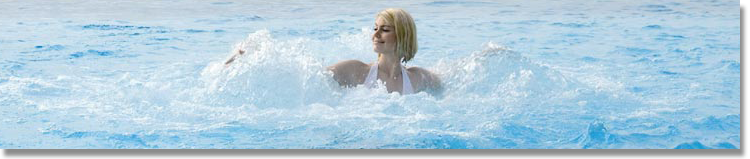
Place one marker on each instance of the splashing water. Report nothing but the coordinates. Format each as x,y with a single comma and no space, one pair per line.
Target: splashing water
278,94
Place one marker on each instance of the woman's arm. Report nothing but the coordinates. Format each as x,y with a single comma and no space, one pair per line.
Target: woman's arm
349,73
239,53
429,81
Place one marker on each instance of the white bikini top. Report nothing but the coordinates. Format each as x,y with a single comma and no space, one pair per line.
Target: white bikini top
372,79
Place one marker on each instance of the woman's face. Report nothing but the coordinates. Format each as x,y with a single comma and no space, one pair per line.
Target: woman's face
384,37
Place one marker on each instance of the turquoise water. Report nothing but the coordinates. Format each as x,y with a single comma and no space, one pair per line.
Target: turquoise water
518,74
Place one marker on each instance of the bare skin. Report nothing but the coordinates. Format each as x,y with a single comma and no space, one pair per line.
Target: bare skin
239,53
350,73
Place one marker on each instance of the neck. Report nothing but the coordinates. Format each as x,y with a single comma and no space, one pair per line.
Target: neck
390,65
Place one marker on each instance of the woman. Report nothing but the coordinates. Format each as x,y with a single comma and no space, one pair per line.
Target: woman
395,41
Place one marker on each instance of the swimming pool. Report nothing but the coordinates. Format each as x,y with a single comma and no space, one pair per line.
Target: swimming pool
518,74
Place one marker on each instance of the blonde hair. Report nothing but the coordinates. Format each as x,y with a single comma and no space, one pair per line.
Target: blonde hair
406,32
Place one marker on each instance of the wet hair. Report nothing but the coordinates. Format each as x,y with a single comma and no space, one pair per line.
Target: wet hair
406,32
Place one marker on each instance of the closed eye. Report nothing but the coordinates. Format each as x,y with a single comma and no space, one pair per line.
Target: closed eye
376,29
384,30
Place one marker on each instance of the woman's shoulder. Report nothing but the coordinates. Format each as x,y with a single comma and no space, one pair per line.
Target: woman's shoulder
424,79
349,72
415,69
350,63
348,66
420,72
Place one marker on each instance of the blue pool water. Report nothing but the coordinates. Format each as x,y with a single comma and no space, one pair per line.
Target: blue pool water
543,74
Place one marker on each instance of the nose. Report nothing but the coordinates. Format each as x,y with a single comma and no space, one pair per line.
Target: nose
376,33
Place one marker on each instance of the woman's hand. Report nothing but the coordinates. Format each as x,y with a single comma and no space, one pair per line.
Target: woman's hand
239,53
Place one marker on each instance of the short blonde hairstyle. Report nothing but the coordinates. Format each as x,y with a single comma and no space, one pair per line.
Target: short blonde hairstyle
406,32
